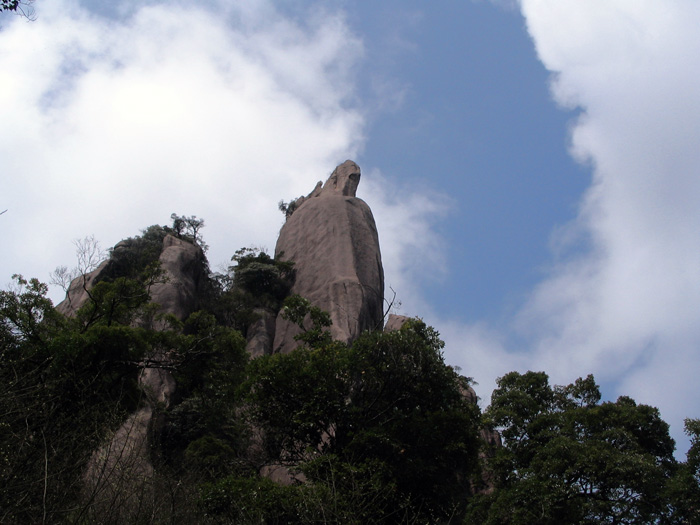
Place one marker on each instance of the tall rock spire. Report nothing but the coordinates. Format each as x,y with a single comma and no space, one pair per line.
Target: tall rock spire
332,239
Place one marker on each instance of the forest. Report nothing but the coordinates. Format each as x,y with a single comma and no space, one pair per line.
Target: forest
382,430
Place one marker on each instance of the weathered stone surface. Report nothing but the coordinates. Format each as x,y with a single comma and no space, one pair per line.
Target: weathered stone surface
344,180
120,473
395,322
77,294
332,239
183,263
261,333
125,460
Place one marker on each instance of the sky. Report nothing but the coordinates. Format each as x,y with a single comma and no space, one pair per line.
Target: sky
532,165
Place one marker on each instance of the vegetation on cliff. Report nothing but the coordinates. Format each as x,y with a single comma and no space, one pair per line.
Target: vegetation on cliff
378,431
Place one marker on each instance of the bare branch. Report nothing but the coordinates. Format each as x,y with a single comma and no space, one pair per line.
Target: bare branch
19,7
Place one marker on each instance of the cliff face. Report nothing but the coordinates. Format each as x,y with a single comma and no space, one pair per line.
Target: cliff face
126,458
332,239
183,264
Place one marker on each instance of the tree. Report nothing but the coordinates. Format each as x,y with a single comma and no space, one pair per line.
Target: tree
22,7
381,425
287,208
188,228
89,255
61,390
683,489
266,279
567,458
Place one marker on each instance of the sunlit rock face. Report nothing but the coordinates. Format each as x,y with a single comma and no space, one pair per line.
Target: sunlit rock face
332,239
184,267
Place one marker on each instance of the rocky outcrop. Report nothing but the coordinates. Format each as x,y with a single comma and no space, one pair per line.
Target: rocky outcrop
395,322
125,459
77,294
332,239
184,267
261,333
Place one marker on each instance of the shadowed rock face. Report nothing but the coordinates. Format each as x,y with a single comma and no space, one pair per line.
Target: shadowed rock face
125,460
333,241
183,266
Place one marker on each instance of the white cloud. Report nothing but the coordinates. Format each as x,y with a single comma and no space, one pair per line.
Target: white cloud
215,109
626,309
412,251
622,297
109,126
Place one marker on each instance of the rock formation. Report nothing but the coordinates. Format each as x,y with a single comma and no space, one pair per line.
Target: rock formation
331,237
261,333
125,460
183,263
77,294
395,322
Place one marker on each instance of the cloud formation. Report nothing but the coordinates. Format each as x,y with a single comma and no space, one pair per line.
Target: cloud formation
623,295
216,109
115,124
221,109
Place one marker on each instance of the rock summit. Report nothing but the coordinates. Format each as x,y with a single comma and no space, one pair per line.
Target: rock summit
331,237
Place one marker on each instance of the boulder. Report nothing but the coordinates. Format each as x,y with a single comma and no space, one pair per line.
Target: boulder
395,322
332,239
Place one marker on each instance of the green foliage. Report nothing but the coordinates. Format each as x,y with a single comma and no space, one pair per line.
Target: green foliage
340,493
301,312
61,389
259,500
132,256
378,432
21,7
389,402
9,5
287,208
121,300
683,489
202,432
568,459
258,274
692,429
188,228
256,281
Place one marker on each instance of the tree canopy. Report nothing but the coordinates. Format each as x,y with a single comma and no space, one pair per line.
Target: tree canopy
568,458
379,431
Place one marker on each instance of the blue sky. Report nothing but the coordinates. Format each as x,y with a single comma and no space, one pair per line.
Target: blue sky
479,125
532,165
